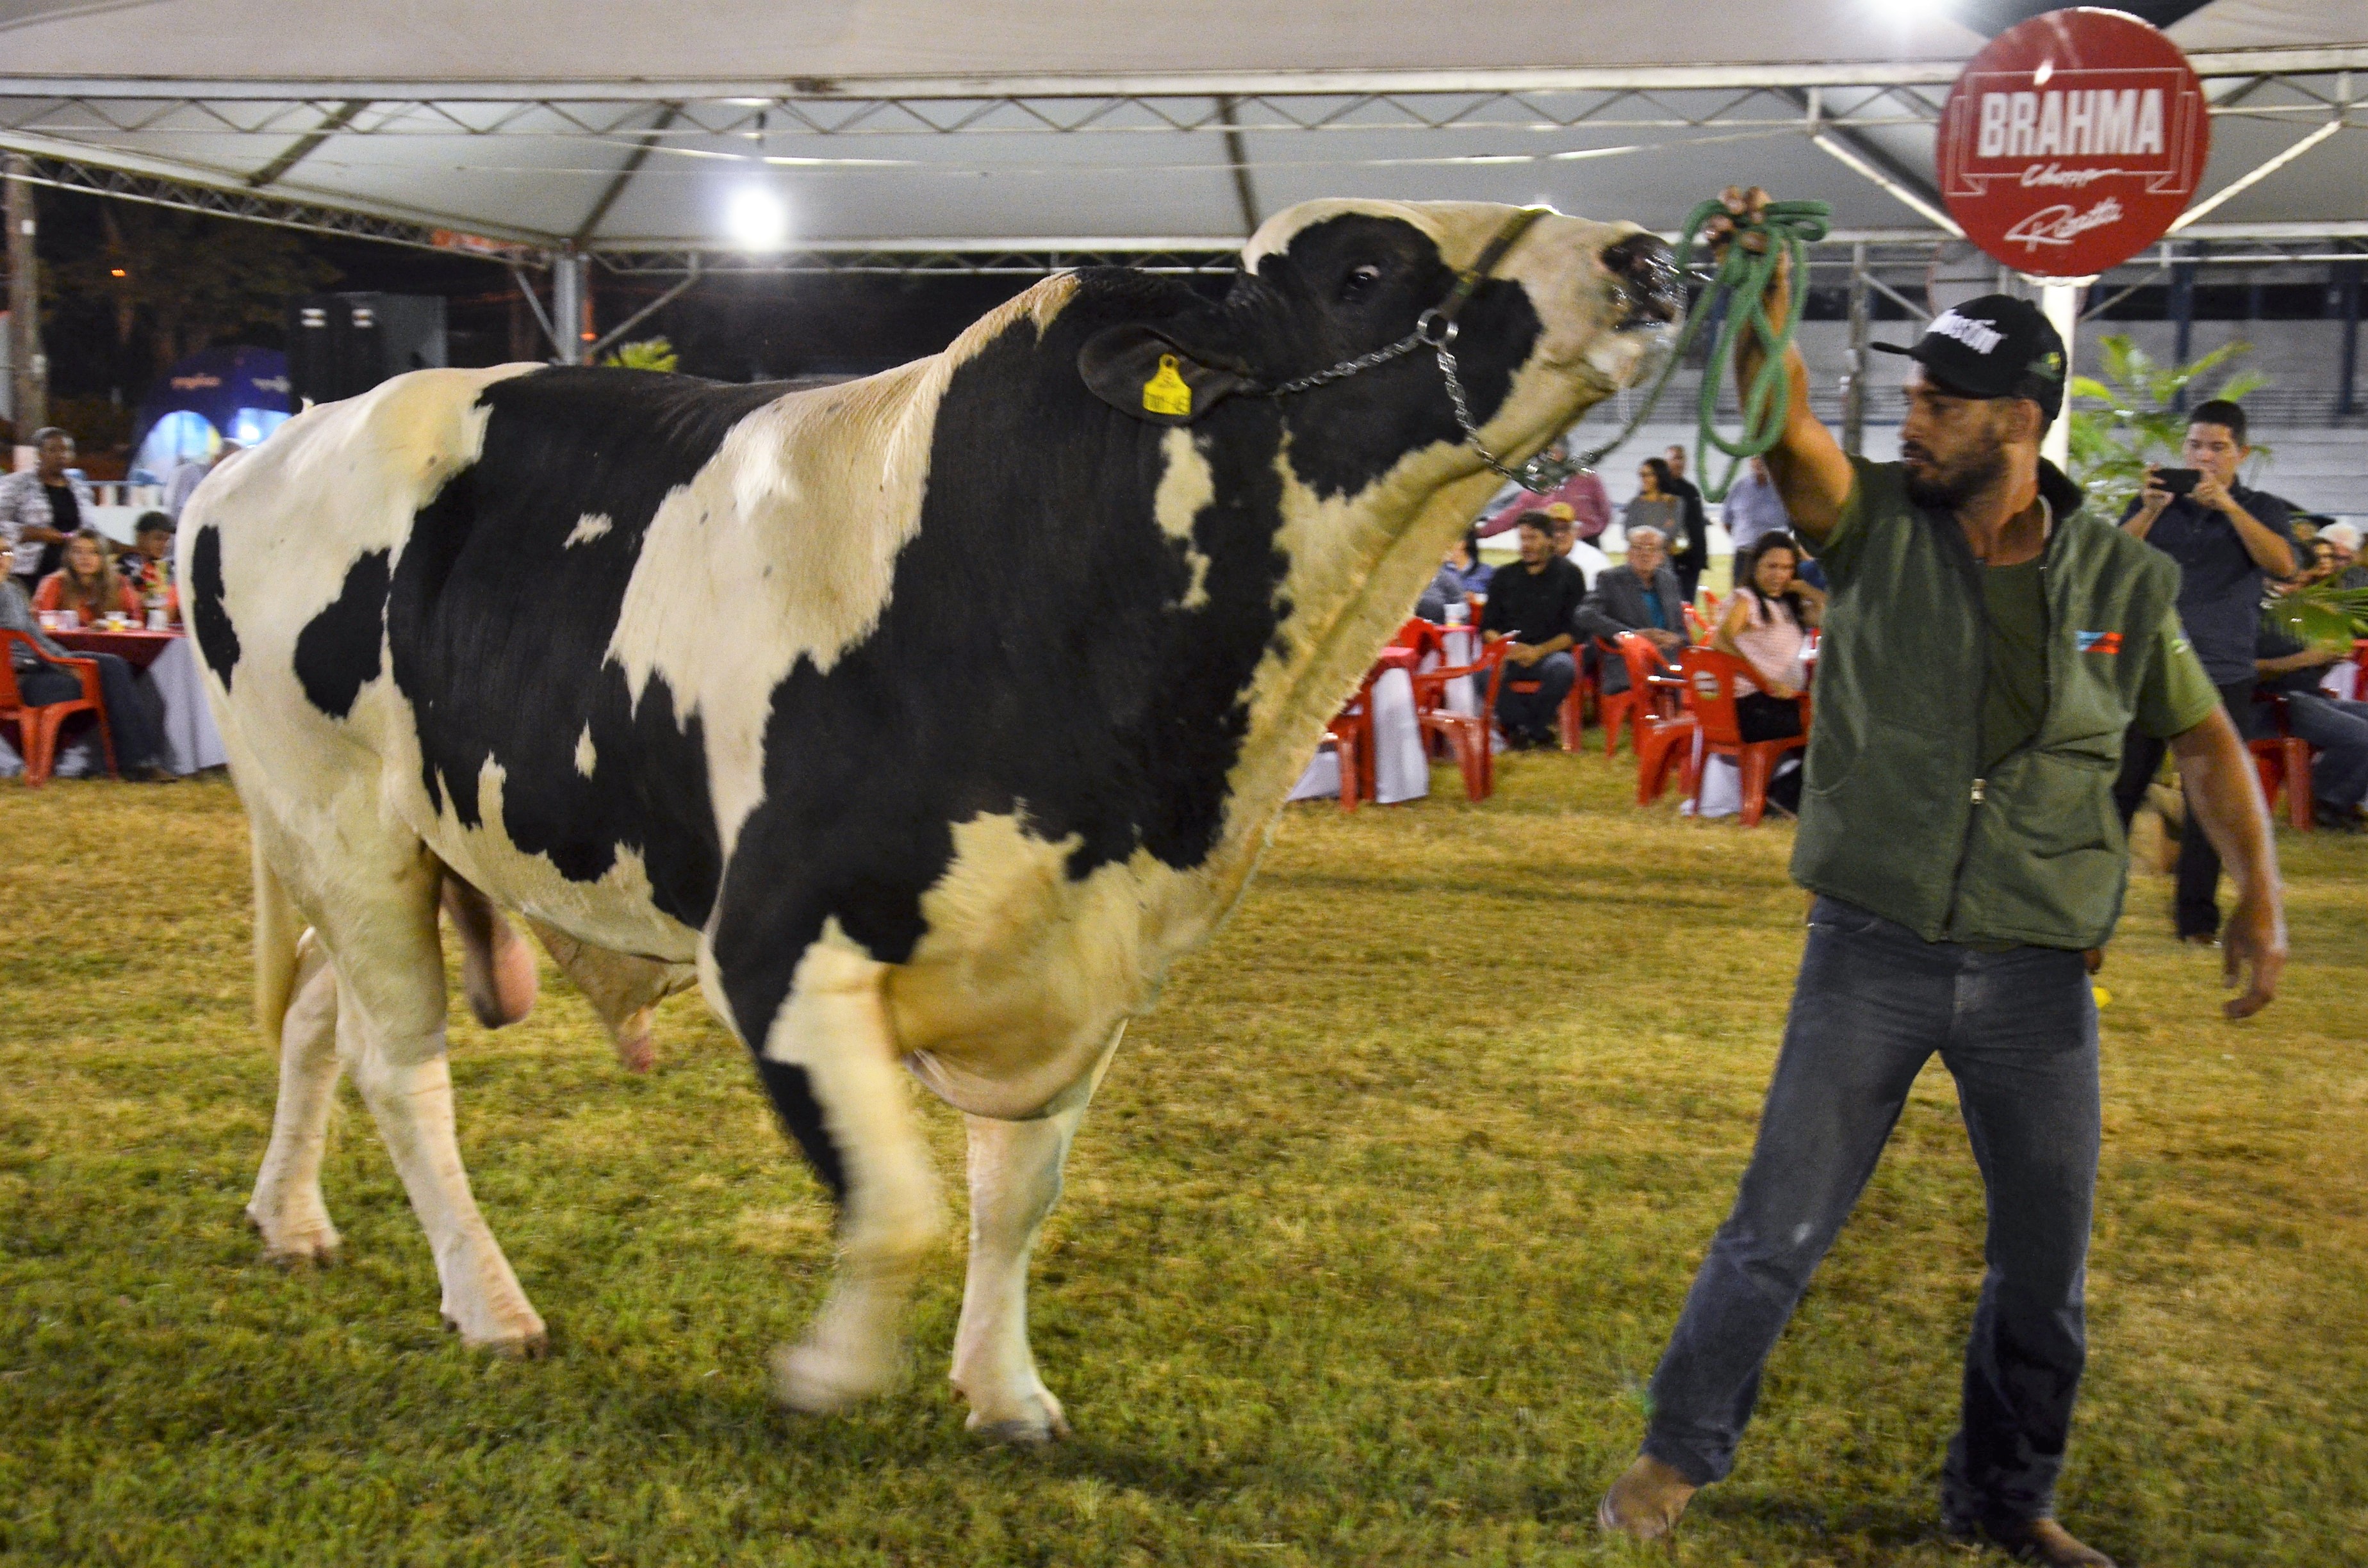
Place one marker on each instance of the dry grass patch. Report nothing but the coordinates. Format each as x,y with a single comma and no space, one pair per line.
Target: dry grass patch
1369,1246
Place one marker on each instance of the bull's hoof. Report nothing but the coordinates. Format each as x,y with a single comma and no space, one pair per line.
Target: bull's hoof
519,1344
296,1244
1031,1422
1020,1432
816,1381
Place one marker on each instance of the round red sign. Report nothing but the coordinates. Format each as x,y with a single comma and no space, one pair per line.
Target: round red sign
2073,141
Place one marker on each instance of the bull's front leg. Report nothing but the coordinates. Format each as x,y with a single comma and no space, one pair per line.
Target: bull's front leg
830,1062
1014,1179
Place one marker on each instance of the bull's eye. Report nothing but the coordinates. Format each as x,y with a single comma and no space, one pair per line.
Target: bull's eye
1358,281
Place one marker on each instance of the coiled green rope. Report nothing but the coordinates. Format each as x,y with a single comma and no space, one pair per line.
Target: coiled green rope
1742,281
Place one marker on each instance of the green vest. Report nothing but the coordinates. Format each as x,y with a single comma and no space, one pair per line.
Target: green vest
1894,817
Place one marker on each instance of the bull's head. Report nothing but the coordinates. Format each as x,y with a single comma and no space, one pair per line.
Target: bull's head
1378,472
1555,320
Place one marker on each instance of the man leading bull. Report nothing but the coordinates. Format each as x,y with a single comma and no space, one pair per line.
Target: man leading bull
1986,646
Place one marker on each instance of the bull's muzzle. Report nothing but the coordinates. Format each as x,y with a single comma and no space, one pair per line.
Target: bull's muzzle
1647,279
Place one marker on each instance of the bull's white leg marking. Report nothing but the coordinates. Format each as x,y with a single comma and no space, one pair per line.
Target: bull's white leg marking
1014,1179
409,1092
835,1025
587,755
588,527
287,1206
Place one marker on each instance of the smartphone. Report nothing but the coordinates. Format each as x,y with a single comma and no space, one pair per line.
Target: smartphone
2178,481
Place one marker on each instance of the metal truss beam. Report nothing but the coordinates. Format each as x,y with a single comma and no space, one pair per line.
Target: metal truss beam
2314,59
66,169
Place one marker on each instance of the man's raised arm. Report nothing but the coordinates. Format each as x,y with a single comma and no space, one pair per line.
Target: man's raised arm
1810,470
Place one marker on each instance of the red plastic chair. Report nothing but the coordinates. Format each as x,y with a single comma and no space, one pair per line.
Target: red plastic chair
36,728
1711,679
1649,691
1467,735
2284,759
1665,742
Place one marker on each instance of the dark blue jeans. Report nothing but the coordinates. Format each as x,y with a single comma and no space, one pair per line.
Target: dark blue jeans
1533,711
131,724
2018,1030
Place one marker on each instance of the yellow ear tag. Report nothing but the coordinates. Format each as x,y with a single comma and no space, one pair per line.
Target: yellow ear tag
1166,392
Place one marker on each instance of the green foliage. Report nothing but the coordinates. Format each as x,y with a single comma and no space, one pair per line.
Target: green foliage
2138,425
649,354
2320,615
188,280
99,424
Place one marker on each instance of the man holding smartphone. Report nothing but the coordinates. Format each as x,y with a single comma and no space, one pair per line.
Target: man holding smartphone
2228,540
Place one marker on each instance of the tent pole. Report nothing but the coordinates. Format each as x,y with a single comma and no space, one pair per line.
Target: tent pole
2059,302
1854,400
567,306
2347,293
28,370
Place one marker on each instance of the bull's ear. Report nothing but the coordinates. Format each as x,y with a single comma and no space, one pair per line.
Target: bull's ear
1145,373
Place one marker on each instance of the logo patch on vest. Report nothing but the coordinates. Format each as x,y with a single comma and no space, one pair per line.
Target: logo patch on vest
2098,642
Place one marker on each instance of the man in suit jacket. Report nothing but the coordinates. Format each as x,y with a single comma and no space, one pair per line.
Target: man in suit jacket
1642,596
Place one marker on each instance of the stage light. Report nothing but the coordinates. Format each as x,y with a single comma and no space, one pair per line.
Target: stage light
757,218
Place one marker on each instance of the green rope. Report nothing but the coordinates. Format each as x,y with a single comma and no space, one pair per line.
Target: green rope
1742,281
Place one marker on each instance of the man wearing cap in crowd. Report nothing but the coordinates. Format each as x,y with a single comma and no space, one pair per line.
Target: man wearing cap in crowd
1957,830
2230,542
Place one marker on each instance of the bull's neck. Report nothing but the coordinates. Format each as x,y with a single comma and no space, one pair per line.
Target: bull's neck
1358,567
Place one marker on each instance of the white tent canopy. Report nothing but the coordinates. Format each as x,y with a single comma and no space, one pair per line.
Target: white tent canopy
1073,124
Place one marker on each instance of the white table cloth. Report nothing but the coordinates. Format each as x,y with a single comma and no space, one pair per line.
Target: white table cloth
1401,772
191,742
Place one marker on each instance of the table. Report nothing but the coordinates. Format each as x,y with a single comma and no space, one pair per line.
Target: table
191,742
137,649
1401,770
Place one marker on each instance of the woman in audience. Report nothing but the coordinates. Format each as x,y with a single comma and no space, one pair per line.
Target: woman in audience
130,723
85,584
1657,504
1767,626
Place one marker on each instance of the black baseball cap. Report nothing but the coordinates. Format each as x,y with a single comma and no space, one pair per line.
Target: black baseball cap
1997,346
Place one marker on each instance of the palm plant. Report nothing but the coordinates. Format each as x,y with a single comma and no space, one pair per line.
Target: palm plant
649,354
2141,424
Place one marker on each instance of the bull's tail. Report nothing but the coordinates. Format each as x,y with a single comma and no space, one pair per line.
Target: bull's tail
277,926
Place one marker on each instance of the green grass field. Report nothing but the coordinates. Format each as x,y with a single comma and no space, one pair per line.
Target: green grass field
1369,1246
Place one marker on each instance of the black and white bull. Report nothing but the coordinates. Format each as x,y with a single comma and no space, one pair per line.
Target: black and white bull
931,716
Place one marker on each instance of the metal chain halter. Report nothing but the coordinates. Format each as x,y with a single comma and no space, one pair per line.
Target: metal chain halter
1435,329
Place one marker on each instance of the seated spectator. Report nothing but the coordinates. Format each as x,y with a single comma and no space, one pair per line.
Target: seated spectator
1767,626
2336,729
1567,544
85,584
2345,539
130,724
1530,603
147,566
1446,589
1470,569
1639,596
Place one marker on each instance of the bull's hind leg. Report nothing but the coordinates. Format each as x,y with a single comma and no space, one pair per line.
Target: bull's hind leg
287,1206
382,936
1014,1179
830,1062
